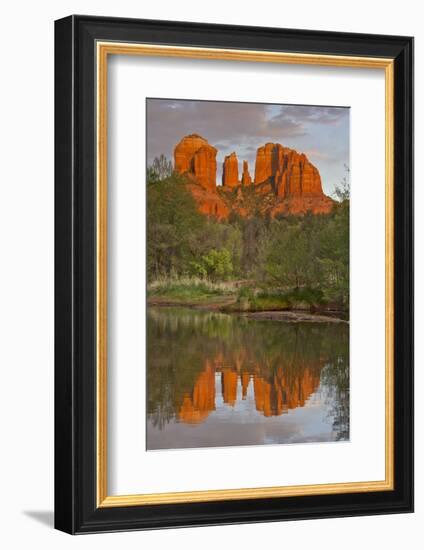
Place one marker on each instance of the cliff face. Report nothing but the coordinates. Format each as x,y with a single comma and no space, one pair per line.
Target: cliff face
209,203
289,172
195,157
245,178
285,182
294,180
230,171
265,165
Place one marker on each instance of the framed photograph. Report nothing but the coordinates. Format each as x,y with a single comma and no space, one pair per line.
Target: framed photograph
234,270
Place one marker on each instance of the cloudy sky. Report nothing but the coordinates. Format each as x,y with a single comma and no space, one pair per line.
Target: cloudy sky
322,133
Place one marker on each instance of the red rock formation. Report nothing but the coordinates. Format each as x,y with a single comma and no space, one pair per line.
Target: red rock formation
209,203
290,172
195,157
288,182
296,176
205,167
293,178
264,168
230,171
245,178
299,206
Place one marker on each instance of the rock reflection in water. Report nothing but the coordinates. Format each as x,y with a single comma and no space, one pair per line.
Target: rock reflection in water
216,380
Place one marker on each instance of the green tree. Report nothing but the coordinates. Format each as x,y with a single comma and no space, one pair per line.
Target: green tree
217,264
173,227
287,259
334,256
309,253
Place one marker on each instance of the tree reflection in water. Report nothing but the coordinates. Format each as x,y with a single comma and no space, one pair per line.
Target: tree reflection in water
201,361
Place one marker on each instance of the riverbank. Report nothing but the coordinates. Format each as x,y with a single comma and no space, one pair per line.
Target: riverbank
201,302
245,299
225,304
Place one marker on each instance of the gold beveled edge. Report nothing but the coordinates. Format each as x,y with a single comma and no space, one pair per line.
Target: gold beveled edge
101,289
117,48
123,48
244,494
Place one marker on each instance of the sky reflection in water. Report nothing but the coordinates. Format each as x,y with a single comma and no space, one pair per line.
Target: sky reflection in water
218,380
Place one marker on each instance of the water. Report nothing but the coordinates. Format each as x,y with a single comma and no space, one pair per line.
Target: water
215,380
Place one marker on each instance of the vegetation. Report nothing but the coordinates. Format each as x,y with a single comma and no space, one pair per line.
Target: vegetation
190,290
160,169
182,343
265,263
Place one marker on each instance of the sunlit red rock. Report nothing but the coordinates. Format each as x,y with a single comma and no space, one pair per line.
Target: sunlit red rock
302,205
195,157
291,172
209,203
293,178
184,153
230,171
285,181
245,177
265,164
205,167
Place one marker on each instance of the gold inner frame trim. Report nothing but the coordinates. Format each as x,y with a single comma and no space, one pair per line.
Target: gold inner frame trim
103,50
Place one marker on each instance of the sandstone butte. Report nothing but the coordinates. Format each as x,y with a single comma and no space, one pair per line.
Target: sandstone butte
285,181
196,158
230,171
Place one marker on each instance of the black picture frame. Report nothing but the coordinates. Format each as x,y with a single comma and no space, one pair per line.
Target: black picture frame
76,510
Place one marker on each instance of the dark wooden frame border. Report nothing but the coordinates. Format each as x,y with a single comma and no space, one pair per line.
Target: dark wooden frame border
75,274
